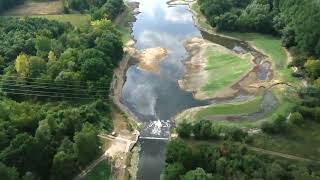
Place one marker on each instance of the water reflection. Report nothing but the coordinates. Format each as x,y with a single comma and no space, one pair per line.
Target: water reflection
156,98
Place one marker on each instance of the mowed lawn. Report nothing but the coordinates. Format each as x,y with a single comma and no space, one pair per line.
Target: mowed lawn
224,68
78,20
101,172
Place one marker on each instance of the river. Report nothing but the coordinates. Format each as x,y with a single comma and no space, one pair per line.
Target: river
155,98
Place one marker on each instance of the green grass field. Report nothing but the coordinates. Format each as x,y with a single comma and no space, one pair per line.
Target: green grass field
226,109
224,69
101,172
78,20
268,44
273,48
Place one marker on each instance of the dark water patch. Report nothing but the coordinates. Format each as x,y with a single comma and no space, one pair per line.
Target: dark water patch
264,71
152,156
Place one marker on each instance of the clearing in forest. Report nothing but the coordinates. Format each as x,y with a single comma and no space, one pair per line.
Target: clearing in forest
36,8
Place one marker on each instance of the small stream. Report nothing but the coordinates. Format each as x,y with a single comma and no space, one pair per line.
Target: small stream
156,97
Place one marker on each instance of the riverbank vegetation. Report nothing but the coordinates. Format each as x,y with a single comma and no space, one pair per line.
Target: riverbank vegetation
55,79
289,128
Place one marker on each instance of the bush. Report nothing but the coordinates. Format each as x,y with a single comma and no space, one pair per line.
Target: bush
236,134
296,118
306,112
184,129
277,126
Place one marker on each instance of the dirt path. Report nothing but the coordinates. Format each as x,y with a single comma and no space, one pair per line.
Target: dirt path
283,155
90,167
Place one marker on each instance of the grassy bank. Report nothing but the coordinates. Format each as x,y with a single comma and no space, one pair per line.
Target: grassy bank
78,20
226,109
224,70
101,171
272,47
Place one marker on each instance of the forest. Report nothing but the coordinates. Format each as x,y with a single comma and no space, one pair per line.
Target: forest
296,21
226,161
55,80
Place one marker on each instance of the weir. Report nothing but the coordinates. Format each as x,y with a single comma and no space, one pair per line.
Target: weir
155,138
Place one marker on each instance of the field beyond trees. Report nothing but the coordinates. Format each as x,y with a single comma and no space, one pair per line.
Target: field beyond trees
36,8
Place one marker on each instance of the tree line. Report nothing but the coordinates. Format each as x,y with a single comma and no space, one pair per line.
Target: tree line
98,9
296,21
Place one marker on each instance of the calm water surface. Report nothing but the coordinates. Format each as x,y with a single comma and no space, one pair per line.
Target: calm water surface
156,98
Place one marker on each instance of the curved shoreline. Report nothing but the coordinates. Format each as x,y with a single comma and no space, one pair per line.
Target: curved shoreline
253,49
197,76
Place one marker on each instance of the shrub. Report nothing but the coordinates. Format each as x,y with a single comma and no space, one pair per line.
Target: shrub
277,126
296,118
306,112
184,129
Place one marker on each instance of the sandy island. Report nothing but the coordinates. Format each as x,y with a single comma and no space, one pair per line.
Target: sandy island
149,59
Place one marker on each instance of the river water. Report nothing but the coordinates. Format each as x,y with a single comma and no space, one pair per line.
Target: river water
155,98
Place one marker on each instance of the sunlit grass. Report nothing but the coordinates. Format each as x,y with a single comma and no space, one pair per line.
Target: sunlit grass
224,69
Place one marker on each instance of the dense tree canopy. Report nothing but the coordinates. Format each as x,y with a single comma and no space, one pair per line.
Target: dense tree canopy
297,21
54,82
228,161
99,8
